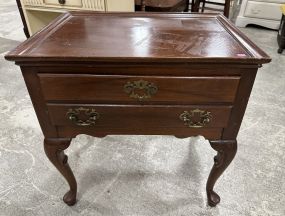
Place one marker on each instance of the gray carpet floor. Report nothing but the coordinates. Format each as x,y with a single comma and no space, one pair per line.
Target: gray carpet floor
142,175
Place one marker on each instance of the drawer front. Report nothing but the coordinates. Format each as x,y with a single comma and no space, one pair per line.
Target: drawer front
142,117
263,10
134,89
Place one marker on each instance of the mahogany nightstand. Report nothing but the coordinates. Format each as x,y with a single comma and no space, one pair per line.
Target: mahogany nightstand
139,73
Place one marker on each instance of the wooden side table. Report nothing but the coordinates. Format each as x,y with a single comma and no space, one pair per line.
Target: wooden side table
163,74
281,32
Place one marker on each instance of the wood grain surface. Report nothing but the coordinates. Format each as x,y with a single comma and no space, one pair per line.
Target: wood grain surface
171,90
144,37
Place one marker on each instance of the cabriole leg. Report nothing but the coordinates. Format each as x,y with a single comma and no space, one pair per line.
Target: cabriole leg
226,152
54,149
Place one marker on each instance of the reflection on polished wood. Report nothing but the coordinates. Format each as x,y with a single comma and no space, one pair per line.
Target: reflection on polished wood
188,74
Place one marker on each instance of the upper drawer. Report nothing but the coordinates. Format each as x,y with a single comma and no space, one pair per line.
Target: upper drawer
263,10
133,89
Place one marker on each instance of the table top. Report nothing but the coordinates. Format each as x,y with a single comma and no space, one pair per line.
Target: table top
144,37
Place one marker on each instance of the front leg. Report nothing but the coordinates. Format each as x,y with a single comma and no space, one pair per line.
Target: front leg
54,149
226,152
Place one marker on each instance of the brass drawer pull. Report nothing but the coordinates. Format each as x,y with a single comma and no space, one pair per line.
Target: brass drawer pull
196,118
88,116
140,90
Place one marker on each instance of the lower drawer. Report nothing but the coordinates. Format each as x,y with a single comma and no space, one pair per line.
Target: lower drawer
128,117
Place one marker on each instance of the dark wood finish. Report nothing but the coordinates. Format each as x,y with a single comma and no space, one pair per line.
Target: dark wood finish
123,116
25,26
143,5
226,152
34,88
247,80
54,149
171,90
227,7
76,72
281,34
212,40
210,133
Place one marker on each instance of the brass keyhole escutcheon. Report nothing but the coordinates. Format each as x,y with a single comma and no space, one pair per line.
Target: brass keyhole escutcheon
196,118
83,116
140,90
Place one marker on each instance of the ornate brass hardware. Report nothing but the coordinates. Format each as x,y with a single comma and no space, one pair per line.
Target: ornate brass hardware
61,1
90,116
196,118
140,89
